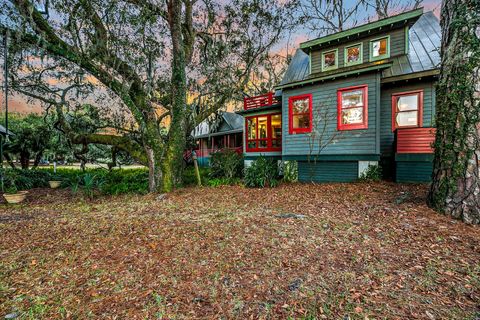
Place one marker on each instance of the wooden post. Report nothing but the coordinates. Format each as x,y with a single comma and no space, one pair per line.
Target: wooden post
197,171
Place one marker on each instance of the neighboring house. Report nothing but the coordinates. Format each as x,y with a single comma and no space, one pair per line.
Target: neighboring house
352,99
224,133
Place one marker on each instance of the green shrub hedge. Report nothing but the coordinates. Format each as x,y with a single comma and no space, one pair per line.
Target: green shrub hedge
112,182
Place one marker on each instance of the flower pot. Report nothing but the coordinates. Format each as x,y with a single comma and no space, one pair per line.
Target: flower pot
54,184
15,197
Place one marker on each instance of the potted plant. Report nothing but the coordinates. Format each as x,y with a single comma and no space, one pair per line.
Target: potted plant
54,182
12,195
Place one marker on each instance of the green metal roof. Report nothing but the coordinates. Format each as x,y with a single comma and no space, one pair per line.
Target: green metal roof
366,28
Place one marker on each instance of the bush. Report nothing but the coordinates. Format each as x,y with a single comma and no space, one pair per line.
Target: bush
373,173
226,164
114,182
190,179
290,171
262,173
24,179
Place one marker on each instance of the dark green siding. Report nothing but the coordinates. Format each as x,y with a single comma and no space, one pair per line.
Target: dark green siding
386,134
328,171
397,47
352,142
413,171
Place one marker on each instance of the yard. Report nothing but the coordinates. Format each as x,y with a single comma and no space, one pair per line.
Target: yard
331,251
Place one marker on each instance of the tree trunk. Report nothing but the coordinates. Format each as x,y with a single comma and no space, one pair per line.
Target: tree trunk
24,159
455,189
37,159
172,164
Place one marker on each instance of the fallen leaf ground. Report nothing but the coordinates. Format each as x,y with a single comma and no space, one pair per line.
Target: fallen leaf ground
364,251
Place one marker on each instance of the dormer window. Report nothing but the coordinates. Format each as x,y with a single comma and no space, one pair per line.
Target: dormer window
380,48
330,60
353,54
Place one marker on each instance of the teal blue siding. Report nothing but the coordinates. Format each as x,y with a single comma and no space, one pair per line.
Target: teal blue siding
414,171
386,134
203,161
328,171
325,100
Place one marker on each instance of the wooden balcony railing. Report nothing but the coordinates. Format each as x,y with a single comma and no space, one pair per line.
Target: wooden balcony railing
415,140
263,100
207,152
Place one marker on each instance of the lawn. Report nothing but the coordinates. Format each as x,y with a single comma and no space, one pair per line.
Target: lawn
331,251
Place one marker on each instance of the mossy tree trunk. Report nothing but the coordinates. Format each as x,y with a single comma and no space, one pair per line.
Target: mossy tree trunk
455,189
172,166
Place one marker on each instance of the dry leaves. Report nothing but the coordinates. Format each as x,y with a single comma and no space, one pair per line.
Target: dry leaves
235,253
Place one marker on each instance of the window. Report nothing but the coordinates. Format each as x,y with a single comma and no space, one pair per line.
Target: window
352,108
264,133
330,60
353,55
380,48
300,114
407,108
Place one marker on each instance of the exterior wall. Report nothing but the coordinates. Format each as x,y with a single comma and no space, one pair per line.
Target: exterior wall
324,97
386,133
414,167
328,171
397,47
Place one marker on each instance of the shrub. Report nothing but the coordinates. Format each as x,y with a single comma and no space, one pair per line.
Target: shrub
290,171
373,173
262,173
125,181
114,182
226,164
190,179
23,179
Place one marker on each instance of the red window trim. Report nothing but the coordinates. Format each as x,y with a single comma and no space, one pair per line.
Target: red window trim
291,129
355,126
420,108
268,138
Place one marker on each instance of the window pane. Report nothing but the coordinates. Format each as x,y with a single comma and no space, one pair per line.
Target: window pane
351,99
353,54
262,127
379,47
277,143
262,144
252,144
252,128
301,121
329,59
276,126
409,118
406,103
352,115
301,105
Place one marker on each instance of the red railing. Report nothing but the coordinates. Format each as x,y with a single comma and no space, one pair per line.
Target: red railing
263,100
415,140
207,152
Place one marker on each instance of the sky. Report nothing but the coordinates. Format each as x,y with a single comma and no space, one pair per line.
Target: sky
18,103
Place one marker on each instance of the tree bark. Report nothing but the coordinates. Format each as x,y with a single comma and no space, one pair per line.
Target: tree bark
455,189
172,165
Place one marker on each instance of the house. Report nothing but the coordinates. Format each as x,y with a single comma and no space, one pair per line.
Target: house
223,132
352,99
